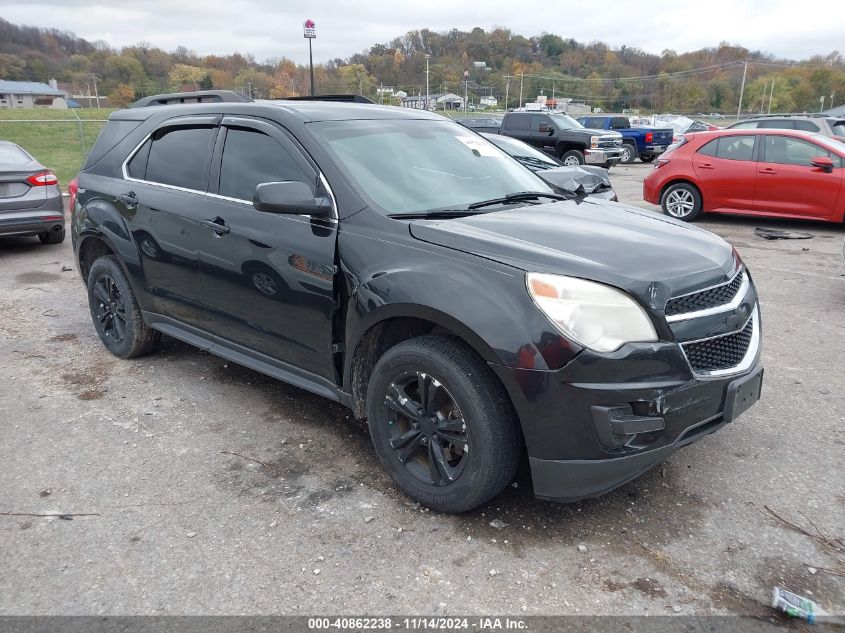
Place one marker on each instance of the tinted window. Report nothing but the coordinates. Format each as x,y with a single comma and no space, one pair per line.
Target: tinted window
516,122
710,148
250,158
539,120
790,151
180,156
736,148
111,135
745,125
619,123
838,127
807,126
776,124
137,167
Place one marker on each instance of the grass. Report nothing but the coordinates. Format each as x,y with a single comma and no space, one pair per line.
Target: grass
54,137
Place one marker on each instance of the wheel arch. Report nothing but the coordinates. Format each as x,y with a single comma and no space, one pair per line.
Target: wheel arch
681,181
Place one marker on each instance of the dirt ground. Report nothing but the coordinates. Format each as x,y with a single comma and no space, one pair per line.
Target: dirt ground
201,487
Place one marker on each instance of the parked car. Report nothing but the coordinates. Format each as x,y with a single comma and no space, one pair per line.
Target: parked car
768,172
681,125
582,180
488,124
30,197
829,126
643,142
563,137
454,300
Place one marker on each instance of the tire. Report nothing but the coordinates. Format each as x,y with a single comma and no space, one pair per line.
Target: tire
629,153
52,237
468,406
572,158
647,158
109,297
608,165
681,201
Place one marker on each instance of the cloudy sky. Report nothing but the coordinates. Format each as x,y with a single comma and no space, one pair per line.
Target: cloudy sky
273,28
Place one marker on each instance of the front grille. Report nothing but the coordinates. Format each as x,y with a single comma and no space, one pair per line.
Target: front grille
722,352
705,299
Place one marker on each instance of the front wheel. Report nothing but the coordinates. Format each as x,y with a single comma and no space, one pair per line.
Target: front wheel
441,424
681,201
572,158
629,154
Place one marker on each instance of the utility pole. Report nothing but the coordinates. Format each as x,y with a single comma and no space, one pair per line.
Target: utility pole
771,95
249,84
466,89
427,57
741,90
821,100
507,89
831,98
521,79
96,93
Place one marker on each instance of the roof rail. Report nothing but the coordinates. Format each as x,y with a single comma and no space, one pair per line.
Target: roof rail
811,115
198,96
342,98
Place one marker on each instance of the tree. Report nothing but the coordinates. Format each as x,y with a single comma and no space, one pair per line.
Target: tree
122,96
206,83
182,75
354,78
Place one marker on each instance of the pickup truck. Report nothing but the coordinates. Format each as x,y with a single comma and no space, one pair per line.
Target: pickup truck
645,142
563,137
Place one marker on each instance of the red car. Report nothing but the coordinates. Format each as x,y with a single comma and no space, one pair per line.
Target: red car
783,173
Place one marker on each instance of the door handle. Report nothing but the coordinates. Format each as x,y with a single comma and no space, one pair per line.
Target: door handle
706,166
129,200
768,170
217,225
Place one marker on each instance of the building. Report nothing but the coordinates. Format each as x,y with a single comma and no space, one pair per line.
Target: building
438,101
488,102
31,94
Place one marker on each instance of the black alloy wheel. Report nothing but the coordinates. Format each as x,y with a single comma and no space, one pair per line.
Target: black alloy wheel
428,431
111,308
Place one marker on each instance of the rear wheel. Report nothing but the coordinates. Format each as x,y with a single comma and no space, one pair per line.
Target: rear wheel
56,236
647,158
115,312
442,425
572,158
681,201
629,154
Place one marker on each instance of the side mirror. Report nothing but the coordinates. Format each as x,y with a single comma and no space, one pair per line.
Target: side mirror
825,163
289,196
546,128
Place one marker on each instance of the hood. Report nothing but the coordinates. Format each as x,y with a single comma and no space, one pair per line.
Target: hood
588,178
651,256
595,131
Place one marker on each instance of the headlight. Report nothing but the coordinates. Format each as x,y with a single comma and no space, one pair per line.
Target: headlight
591,314
594,141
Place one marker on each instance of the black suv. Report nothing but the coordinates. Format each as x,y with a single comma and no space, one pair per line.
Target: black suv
400,264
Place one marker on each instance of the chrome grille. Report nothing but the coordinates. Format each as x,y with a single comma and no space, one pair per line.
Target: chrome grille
706,299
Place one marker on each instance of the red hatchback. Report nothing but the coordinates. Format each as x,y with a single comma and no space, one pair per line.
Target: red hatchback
784,173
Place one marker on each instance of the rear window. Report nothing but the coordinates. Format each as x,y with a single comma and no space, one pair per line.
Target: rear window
180,156
730,148
13,155
111,134
777,124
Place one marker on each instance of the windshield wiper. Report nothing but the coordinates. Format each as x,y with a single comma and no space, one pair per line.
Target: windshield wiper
435,213
535,162
516,197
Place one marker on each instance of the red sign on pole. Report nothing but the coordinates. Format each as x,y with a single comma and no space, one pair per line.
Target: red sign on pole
309,29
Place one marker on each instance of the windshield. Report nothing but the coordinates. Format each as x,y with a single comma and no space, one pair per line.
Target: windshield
518,149
565,122
838,127
410,166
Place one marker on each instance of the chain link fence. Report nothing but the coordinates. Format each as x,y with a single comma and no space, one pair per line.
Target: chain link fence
58,139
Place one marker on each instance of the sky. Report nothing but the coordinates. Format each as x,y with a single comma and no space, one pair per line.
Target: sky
273,28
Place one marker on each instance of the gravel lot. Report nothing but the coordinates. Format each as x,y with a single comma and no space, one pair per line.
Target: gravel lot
211,489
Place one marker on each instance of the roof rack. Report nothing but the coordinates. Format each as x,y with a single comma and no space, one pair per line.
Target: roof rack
341,98
199,96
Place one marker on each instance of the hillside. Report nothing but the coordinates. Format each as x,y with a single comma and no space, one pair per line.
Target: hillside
706,80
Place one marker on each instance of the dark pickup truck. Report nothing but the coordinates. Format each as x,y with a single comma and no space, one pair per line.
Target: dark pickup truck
645,142
563,137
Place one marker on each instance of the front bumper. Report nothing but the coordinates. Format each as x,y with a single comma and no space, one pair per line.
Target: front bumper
602,156
578,450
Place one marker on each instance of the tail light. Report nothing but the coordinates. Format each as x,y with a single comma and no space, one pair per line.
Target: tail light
43,179
649,137
72,190
661,162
